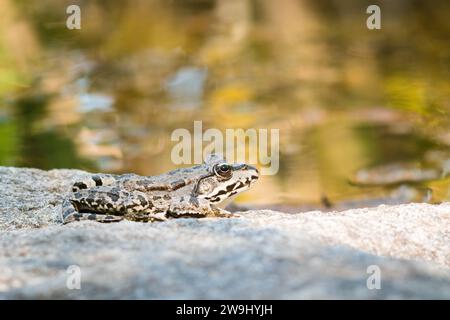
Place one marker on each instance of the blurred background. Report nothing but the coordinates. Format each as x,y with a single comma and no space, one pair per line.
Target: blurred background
364,115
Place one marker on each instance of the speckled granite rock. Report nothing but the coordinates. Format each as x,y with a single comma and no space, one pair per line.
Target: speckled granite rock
31,198
264,254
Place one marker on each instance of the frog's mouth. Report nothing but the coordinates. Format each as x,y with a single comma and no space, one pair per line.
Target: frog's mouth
228,192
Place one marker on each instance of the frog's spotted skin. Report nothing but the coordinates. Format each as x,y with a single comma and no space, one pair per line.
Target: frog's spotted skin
187,192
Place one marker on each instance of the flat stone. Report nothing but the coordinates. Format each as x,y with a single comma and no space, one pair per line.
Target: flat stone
262,255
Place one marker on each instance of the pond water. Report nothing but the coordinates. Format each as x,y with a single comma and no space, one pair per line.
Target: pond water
363,115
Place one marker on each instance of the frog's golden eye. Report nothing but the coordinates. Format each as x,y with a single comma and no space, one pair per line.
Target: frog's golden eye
223,170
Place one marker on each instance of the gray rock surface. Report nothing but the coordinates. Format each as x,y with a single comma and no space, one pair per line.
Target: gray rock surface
265,254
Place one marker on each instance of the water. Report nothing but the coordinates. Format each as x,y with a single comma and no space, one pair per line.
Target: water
345,98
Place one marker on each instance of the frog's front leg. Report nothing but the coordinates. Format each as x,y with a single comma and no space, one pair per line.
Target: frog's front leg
218,212
188,206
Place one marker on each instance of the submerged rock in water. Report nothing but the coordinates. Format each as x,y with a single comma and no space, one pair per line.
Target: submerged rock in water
394,173
265,254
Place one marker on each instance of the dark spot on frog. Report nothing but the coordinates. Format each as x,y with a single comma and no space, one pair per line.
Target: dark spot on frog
80,185
98,181
114,196
142,200
156,188
178,184
228,189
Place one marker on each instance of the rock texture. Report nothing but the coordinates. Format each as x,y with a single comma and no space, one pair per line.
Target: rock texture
263,255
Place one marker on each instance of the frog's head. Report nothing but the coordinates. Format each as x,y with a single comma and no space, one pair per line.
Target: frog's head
224,180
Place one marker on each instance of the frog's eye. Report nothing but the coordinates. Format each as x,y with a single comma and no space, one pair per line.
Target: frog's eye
223,170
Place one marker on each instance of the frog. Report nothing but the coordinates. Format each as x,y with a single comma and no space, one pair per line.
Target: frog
193,192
